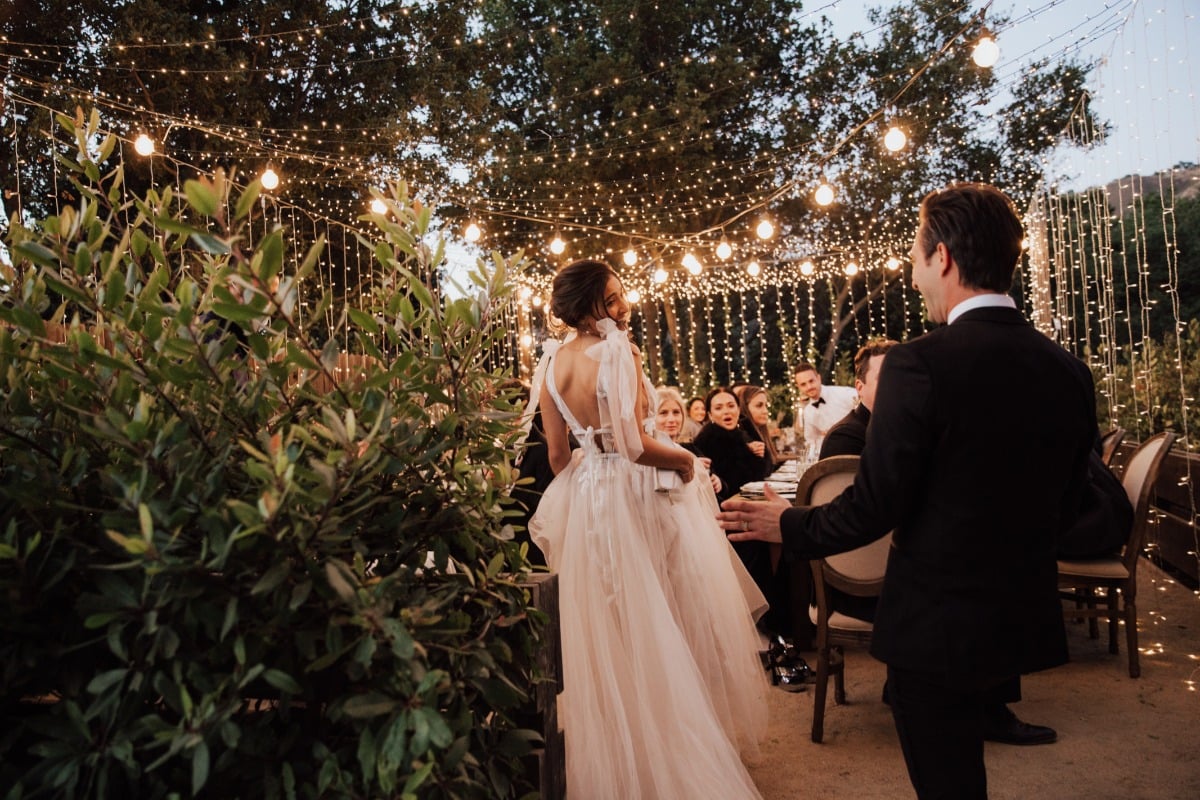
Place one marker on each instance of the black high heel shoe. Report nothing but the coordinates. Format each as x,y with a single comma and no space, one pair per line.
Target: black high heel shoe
789,671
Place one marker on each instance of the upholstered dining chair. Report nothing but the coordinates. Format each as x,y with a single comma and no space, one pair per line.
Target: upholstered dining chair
1109,443
858,572
1113,581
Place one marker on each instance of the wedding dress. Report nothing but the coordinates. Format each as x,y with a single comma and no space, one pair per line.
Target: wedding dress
662,681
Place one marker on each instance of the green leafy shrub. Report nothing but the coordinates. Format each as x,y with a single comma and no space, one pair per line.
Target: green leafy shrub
226,571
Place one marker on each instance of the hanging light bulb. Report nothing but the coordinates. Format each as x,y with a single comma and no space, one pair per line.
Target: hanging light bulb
893,263
630,257
895,139
378,206
144,145
526,340
765,229
692,264
536,302
986,52
660,275
752,269
473,232
724,250
269,179
807,268
824,194
851,269
633,295
557,245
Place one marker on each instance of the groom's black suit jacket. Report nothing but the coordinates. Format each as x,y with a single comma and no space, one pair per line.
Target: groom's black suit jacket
976,457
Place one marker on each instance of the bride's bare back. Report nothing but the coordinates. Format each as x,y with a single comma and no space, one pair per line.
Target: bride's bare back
575,377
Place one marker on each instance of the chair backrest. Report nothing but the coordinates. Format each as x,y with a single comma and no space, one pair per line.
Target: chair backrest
825,480
1109,443
1141,472
821,483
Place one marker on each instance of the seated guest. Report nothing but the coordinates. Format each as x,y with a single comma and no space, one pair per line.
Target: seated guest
848,436
756,416
670,419
694,418
735,459
697,411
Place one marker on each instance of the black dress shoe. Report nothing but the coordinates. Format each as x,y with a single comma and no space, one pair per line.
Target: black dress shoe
1007,729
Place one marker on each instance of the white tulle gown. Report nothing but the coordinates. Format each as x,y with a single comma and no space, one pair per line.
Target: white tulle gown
663,688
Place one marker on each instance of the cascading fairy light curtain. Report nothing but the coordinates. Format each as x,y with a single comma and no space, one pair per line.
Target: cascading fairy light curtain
1103,272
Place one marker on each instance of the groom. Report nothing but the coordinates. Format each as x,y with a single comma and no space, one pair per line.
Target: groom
975,493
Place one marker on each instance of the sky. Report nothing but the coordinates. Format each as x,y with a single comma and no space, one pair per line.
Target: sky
1145,84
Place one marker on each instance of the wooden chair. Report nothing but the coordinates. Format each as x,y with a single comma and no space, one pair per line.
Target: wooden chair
1116,577
858,572
1109,443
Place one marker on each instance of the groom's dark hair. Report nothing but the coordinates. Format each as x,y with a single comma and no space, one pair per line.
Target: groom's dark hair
980,227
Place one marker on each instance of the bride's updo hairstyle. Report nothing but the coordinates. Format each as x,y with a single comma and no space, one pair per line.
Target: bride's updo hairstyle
578,291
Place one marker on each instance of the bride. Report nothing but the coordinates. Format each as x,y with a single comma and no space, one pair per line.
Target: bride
663,685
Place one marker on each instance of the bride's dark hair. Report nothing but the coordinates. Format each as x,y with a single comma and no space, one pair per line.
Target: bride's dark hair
578,290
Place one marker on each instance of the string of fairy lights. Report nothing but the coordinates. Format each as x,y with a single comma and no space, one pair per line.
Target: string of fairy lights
309,144
1092,286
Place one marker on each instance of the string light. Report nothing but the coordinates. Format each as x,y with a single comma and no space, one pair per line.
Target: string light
630,257
473,232
270,179
557,245
378,206
851,269
824,194
807,268
724,250
986,52
895,139
692,264
144,145
753,269
660,276
893,263
633,296
765,229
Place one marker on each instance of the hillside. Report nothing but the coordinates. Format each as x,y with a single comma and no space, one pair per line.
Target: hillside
1183,179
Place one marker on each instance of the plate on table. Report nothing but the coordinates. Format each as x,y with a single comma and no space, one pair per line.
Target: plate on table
785,489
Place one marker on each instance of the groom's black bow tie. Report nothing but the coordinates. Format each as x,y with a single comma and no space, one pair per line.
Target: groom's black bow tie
818,401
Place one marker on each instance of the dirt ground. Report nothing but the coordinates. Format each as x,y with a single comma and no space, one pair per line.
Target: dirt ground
1119,738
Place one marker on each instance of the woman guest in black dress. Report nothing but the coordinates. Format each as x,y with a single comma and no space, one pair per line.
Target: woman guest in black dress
736,461
756,416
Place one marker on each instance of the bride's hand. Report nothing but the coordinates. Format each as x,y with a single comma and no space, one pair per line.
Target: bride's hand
687,471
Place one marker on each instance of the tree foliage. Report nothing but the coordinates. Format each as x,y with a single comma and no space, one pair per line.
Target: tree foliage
235,562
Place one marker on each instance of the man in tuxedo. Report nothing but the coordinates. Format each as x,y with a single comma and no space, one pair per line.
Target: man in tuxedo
825,404
848,438
975,497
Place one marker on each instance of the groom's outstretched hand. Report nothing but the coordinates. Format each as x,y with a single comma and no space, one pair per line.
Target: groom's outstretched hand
744,520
